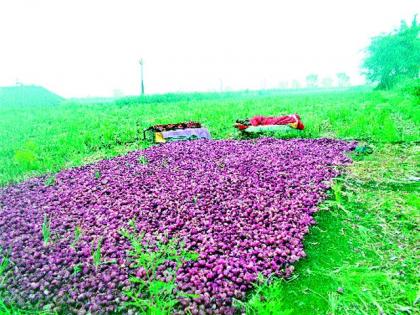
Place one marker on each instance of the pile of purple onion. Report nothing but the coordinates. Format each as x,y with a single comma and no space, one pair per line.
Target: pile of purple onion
243,206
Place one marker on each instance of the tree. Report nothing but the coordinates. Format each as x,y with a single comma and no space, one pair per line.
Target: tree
343,79
394,57
312,80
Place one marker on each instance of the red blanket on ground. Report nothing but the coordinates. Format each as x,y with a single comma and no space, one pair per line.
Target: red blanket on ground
291,120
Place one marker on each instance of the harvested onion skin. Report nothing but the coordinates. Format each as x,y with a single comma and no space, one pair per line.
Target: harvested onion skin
244,206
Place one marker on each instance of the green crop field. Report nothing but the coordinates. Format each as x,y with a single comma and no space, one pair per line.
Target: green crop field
39,139
362,256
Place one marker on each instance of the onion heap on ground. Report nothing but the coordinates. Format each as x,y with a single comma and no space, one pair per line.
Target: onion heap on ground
243,206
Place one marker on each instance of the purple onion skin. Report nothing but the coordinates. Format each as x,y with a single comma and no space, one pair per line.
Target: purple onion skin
244,206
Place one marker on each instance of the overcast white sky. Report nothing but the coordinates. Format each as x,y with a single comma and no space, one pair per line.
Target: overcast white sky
91,47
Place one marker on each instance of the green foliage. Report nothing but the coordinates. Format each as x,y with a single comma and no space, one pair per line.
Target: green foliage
185,97
77,269
337,189
96,253
143,160
410,87
395,56
267,298
77,236
4,265
46,229
97,174
27,156
6,309
50,180
153,294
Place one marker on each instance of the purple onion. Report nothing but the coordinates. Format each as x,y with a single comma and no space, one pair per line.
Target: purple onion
248,217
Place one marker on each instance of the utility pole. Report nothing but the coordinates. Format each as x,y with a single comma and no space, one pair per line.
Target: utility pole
141,76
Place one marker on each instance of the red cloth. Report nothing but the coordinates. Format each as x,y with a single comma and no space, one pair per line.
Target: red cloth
241,127
291,120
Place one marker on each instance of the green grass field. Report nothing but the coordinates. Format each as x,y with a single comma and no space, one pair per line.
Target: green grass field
362,254
39,139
